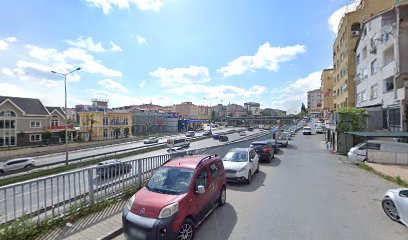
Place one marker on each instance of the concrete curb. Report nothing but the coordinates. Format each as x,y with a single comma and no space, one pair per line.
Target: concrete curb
113,234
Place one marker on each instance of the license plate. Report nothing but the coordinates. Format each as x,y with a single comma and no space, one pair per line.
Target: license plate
137,233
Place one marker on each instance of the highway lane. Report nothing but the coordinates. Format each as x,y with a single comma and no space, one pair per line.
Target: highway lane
56,190
305,193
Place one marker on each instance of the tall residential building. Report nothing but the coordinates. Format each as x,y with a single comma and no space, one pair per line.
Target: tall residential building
253,107
314,101
376,67
187,110
343,47
327,91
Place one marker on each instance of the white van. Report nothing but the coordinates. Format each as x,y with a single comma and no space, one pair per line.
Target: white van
358,153
177,142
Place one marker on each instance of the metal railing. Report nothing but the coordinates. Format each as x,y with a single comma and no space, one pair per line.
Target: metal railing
55,195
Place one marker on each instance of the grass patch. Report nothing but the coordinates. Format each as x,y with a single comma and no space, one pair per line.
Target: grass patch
396,179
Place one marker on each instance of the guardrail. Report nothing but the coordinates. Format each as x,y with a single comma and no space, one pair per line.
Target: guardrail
53,196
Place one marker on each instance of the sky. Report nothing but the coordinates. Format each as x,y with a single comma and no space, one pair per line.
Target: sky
167,51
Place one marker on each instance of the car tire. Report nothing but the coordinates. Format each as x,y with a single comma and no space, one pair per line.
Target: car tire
223,196
257,168
390,209
28,167
187,230
249,177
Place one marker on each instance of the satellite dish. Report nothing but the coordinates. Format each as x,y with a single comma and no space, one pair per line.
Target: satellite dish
387,29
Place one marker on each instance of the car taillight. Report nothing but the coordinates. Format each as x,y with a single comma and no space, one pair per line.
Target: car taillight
266,150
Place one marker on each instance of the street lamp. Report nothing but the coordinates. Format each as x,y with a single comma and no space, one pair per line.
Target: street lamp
66,115
210,109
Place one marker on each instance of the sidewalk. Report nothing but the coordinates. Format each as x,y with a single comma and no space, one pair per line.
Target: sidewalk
106,224
391,170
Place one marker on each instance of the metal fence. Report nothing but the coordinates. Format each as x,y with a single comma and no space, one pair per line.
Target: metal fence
55,195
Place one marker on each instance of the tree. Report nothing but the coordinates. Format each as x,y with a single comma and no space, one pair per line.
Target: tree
46,136
92,121
126,132
117,132
351,119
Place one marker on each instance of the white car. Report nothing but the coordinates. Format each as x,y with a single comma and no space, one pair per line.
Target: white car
241,164
307,130
151,140
395,205
190,134
319,129
17,164
177,150
242,133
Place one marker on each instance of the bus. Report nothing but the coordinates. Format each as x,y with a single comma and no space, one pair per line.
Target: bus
177,142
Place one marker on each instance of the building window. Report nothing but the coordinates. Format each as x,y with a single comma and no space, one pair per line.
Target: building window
54,121
358,59
35,137
365,73
105,121
373,67
373,94
388,55
7,113
364,53
394,119
35,124
364,95
389,84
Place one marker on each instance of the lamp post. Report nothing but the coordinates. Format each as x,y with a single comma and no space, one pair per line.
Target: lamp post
66,116
210,109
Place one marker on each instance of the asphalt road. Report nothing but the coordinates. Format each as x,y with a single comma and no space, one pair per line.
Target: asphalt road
50,191
305,193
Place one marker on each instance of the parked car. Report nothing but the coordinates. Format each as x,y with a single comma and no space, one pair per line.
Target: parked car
307,130
264,149
275,145
216,136
207,133
113,168
358,153
395,205
176,199
223,138
151,140
282,139
319,129
241,164
190,134
242,133
288,134
17,164
251,129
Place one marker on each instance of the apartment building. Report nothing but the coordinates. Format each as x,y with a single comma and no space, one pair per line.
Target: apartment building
204,112
24,120
103,125
327,92
343,49
187,110
253,107
381,67
150,121
314,101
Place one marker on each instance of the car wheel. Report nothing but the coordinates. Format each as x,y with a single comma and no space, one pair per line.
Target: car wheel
257,168
390,209
249,177
186,231
28,167
223,196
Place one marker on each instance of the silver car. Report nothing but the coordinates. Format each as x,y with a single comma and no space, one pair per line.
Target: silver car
151,140
17,164
395,205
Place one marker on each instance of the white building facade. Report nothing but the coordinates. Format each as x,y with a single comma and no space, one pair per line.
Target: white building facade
376,66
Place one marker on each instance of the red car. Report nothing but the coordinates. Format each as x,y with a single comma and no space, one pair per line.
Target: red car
176,199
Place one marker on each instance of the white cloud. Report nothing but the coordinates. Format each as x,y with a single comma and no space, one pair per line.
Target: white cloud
144,5
291,97
88,44
115,48
181,76
7,72
266,57
4,43
141,40
51,83
335,18
142,84
222,91
109,84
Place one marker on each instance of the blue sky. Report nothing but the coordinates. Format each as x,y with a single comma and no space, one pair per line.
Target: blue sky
137,51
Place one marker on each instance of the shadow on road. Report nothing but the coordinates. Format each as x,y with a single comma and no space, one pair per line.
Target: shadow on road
219,225
291,146
257,182
280,152
274,163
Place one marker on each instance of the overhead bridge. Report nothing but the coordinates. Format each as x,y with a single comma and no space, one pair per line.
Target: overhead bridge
254,120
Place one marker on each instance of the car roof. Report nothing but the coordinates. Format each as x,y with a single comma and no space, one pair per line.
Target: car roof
17,159
189,161
259,142
239,149
108,162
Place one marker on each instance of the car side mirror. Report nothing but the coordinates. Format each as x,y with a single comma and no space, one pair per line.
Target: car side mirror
200,189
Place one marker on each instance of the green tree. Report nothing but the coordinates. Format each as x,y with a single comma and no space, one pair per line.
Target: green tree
351,119
46,137
117,132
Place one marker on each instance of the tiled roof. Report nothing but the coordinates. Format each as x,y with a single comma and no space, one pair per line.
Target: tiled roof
28,105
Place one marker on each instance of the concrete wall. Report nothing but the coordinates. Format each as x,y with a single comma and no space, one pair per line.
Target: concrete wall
388,157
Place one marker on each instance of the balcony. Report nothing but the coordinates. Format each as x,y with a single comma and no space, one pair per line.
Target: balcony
388,70
59,127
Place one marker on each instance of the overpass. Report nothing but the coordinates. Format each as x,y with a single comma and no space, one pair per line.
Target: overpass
265,120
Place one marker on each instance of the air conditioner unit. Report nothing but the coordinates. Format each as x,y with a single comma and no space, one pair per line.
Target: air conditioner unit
355,33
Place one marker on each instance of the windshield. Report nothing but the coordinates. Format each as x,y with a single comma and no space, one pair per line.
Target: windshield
236,157
170,180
